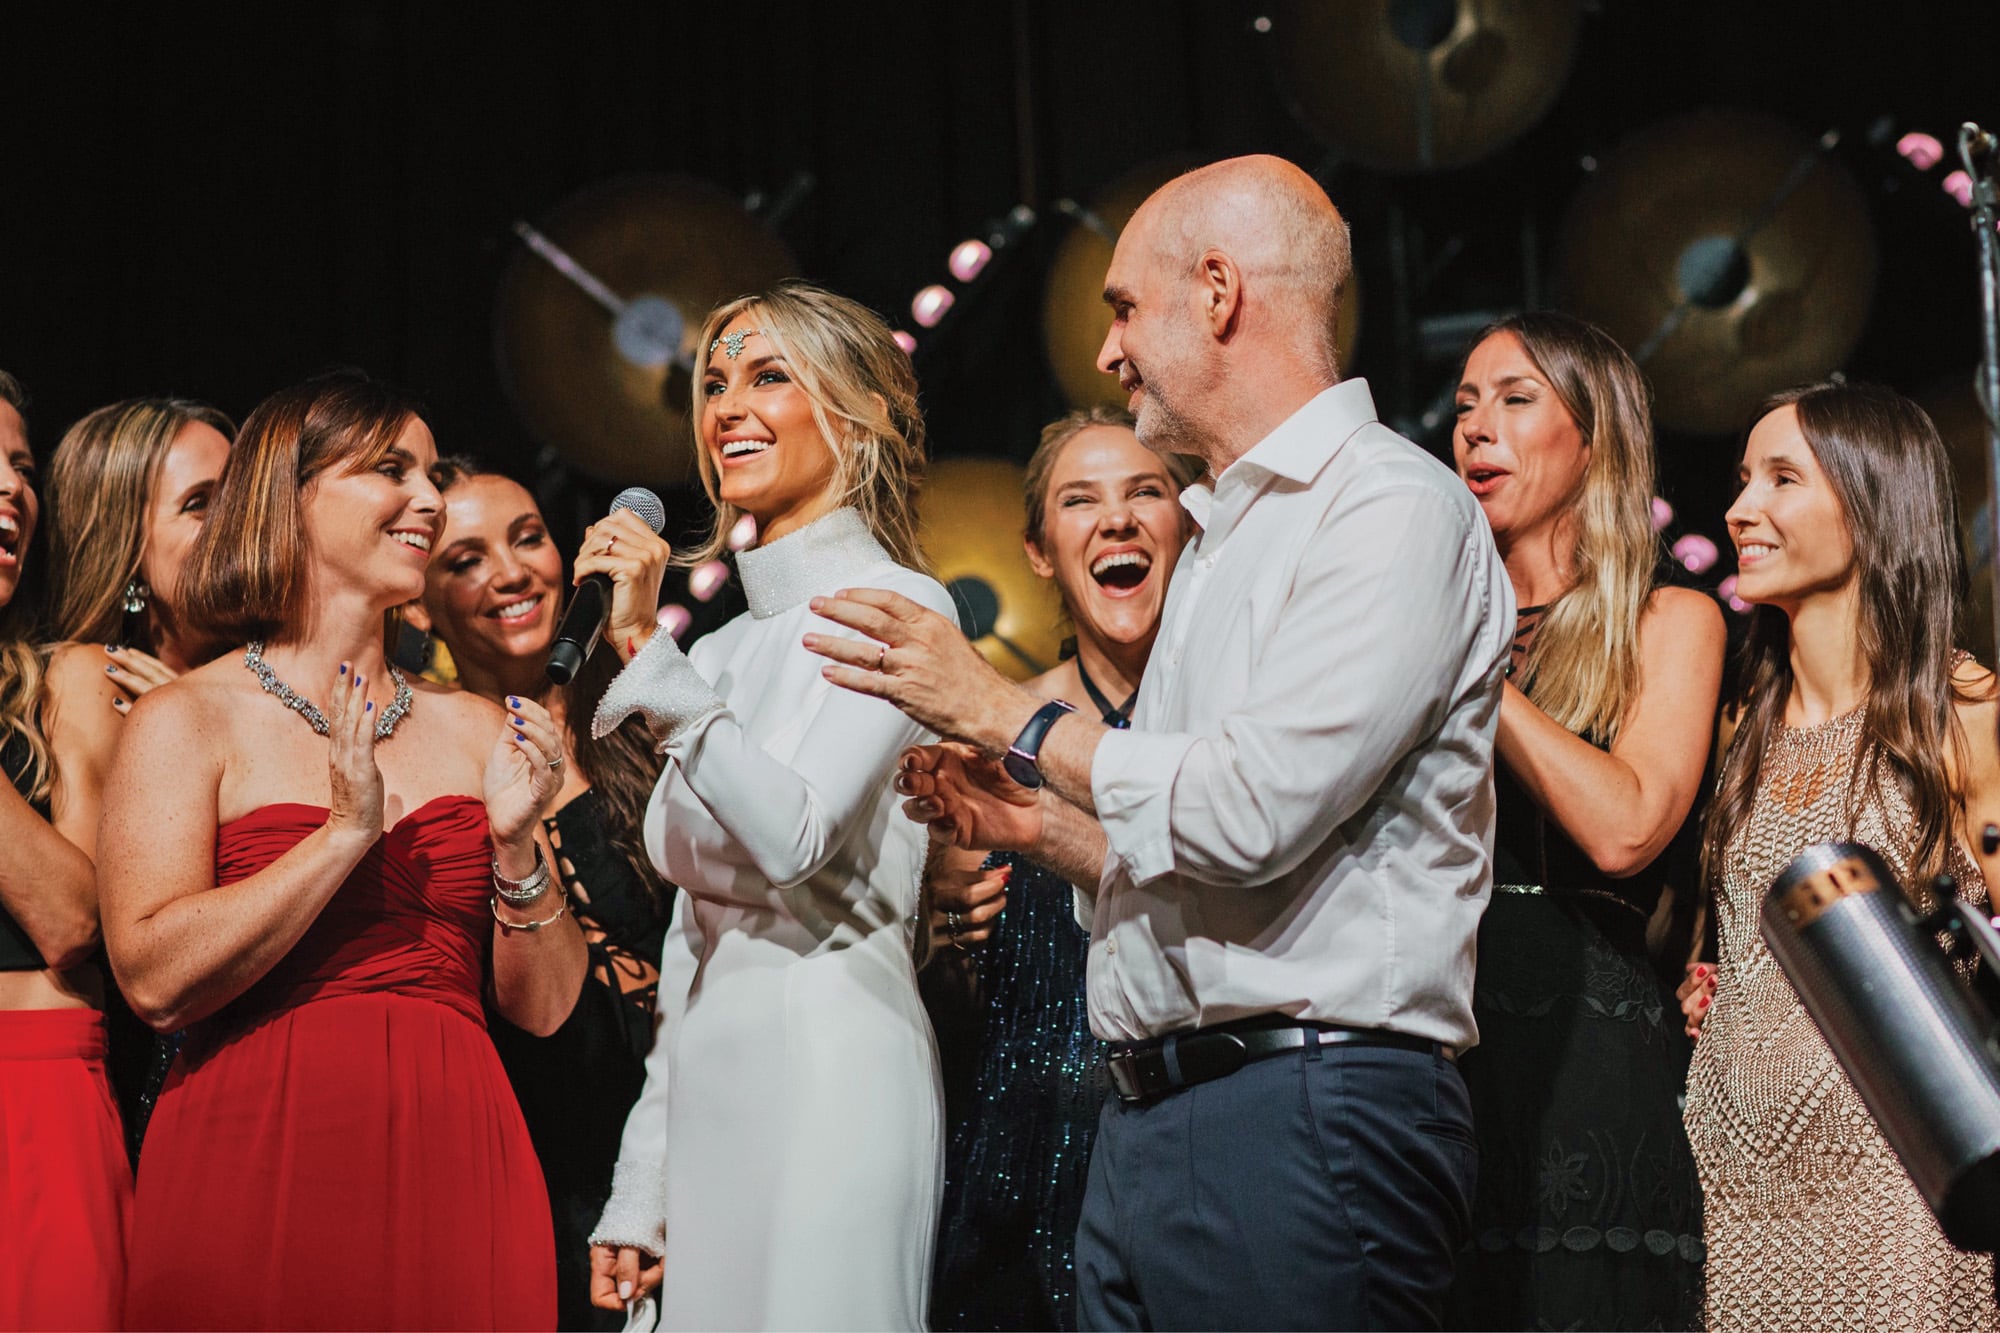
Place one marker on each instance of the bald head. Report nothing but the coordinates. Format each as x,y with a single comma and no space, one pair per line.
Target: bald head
1278,227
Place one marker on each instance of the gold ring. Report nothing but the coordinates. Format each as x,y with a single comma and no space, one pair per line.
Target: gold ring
882,657
608,545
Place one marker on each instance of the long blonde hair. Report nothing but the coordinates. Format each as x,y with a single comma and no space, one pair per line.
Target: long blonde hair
101,482
21,665
864,400
1583,667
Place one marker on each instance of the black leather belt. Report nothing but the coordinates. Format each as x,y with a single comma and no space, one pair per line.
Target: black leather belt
1147,1069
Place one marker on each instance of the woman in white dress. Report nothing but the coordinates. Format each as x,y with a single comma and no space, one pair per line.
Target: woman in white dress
784,1159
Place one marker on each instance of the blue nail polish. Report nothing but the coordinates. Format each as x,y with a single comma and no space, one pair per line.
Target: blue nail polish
110,670
518,722
519,737
512,702
110,647
370,708
343,668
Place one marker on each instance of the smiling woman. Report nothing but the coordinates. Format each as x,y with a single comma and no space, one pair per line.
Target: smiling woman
492,594
319,870
780,1169
129,488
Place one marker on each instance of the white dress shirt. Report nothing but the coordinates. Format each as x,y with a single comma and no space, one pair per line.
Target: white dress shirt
1301,818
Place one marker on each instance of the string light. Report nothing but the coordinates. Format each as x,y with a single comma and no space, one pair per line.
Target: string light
1663,514
676,620
704,581
1696,553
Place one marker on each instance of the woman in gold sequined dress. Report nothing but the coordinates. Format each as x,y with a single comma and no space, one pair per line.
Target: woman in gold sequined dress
1859,718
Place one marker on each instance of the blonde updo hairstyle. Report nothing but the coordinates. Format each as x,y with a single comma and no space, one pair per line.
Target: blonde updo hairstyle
864,399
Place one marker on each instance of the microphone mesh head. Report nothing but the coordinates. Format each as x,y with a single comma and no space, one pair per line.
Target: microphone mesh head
643,503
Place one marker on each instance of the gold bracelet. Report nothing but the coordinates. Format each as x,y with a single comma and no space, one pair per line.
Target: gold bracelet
561,907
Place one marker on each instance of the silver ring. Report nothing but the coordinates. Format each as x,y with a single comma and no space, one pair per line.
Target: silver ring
556,762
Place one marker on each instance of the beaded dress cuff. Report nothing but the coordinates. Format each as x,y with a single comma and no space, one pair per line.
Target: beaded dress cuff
636,1213
661,685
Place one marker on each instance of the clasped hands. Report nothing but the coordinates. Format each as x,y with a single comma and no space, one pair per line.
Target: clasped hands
919,661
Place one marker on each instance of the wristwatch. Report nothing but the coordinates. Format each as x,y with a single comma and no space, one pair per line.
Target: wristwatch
1020,761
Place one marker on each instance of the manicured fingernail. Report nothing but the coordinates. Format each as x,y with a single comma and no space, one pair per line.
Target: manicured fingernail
519,737
110,647
370,708
343,668
111,669
1704,1002
512,702
519,723
624,1291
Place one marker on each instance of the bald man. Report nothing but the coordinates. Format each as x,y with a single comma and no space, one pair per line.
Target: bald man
1285,859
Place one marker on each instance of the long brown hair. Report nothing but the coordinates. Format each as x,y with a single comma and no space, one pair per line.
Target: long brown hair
101,482
1583,666
864,400
246,577
1888,471
622,767
21,665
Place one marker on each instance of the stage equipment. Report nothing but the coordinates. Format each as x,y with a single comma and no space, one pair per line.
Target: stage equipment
1919,1045
969,515
598,313
1075,319
1421,85
1979,150
1733,257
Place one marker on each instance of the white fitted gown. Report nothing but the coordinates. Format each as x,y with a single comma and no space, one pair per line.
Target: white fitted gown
785,1155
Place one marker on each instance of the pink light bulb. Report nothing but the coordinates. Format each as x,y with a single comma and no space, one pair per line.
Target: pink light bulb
928,306
1696,553
905,340
1726,590
676,619
969,259
1922,151
704,581
1663,514
743,532
1959,186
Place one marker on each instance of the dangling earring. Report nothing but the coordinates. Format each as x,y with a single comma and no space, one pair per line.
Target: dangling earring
136,593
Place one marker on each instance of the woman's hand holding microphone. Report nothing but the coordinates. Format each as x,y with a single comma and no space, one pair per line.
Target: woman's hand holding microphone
634,557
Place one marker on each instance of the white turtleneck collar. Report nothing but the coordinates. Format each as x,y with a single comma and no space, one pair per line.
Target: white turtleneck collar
819,558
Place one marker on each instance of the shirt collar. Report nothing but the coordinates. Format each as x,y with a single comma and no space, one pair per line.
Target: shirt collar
1305,441
1199,501
825,554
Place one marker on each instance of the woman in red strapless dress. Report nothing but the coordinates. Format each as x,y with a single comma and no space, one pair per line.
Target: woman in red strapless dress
338,1147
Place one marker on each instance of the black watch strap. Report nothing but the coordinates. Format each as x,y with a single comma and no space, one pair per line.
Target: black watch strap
1023,755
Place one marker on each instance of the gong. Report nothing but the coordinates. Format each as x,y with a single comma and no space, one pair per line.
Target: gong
599,309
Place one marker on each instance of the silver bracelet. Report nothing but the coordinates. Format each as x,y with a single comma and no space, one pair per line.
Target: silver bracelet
521,892
549,920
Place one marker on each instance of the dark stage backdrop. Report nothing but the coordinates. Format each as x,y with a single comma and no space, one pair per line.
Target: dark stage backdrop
213,200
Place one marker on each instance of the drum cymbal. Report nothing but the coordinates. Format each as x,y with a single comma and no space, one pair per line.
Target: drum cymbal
1075,319
1729,254
1422,85
970,523
610,391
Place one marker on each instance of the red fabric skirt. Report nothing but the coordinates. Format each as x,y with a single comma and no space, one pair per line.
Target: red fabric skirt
65,1187
357,1162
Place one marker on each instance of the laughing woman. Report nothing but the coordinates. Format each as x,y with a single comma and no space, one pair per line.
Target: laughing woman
65,1187
1104,521
784,1157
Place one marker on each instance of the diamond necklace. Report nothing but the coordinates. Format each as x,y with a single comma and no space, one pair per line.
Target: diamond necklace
385,726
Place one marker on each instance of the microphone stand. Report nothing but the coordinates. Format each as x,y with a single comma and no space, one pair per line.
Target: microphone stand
1975,149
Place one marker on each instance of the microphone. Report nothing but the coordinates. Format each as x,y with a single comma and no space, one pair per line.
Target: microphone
979,610
1974,142
590,606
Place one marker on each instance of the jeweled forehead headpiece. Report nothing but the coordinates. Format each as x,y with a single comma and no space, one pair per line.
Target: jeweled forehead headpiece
732,343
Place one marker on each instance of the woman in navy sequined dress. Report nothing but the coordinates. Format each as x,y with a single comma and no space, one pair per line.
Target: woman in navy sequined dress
1024,1076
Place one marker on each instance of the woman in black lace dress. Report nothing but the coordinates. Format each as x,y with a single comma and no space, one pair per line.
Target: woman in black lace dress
1024,1076
1588,1210
493,596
